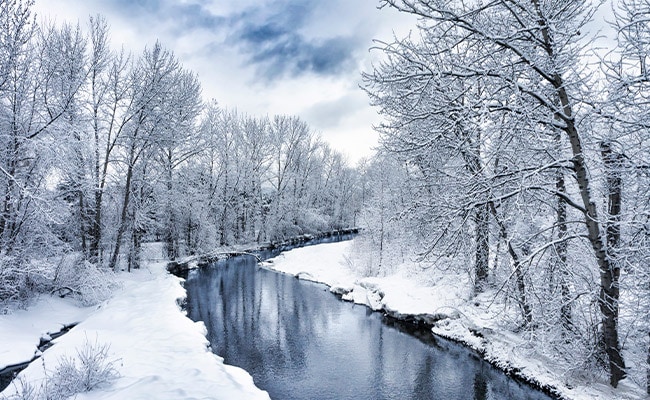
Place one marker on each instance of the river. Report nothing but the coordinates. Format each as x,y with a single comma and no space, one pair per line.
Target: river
299,341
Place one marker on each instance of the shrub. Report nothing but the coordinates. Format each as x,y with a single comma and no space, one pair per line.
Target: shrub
91,369
87,282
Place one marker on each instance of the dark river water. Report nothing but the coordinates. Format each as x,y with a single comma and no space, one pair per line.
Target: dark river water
299,341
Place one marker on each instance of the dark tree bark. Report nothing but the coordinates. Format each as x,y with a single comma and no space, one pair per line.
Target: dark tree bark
648,367
609,272
609,294
123,215
566,318
482,252
517,266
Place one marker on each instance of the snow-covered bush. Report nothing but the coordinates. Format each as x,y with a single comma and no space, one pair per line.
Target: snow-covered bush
312,221
24,390
9,282
20,280
86,282
68,275
91,369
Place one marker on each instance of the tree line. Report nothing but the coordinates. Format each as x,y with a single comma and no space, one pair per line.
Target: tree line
101,149
525,155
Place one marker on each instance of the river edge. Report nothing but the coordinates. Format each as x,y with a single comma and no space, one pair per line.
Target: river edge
47,319
424,324
153,346
9,372
178,295
496,346
151,284
415,324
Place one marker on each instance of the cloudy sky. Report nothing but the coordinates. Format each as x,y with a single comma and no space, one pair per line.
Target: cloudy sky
264,57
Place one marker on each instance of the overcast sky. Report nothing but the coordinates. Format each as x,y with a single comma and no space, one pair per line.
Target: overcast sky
264,57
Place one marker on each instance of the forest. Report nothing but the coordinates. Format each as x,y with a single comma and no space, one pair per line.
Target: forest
102,150
514,150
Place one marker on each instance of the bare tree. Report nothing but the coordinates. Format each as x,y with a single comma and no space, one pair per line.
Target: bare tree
151,84
532,64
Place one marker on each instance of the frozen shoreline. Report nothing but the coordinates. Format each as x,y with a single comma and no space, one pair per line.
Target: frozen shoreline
444,304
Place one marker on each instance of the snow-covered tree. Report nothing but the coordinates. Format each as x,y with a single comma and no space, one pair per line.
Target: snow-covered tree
502,91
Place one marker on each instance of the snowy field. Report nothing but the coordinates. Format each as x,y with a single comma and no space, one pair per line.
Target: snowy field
157,351
446,296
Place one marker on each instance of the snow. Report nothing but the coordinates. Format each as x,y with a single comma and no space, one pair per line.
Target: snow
157,351
446,300
160,353
21,331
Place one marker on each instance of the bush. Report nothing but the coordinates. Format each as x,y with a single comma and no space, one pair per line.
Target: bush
87,282
90,369
64,275
19,281
24,391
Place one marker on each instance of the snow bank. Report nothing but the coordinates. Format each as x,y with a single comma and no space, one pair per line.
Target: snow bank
445,303
21,331
158,352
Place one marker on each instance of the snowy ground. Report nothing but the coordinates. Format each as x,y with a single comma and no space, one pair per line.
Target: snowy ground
413,293
157,351
21,331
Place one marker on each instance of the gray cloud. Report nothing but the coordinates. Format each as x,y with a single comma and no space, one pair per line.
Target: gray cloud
330,115
273,36
186,16
273,39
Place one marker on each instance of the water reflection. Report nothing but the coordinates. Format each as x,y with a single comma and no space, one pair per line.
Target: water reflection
299,342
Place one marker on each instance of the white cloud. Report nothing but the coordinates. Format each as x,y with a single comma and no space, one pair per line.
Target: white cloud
316,54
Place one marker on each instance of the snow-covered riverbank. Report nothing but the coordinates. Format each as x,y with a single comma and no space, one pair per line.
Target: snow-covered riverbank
444,298
157,351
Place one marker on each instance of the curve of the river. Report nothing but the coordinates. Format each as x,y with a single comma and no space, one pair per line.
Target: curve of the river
299,341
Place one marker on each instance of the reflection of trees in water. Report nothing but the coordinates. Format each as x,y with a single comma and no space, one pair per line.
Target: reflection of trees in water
254,317
480,387
283,331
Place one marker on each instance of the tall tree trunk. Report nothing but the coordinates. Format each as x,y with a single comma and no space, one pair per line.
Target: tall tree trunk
610,293
82,223
482,251
518,272
481,215
171,235
566,311
122,227
609,272
647,382
135,249
224,213
96,227
7,214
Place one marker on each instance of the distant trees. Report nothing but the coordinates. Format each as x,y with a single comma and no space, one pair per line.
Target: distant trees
268,178
520,156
